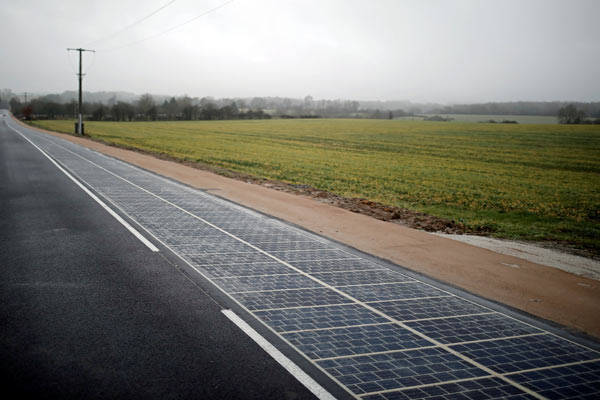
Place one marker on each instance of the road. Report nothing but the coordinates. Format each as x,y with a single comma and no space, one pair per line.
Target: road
92,309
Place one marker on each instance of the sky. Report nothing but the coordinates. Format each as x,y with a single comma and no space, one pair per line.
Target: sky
442,51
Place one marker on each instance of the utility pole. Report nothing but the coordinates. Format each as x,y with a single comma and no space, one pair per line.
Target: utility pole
80,74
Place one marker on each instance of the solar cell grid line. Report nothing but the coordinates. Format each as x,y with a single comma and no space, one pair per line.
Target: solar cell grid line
241,270
267,283
525,353
303,308
361,277
473,328
368,307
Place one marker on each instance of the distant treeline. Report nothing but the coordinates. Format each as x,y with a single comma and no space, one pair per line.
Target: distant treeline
520,108
144,109
123,106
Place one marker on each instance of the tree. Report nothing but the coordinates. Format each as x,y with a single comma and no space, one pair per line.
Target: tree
99,113
570,115
308,102
172,108
123,111
258,103
146,106
15,105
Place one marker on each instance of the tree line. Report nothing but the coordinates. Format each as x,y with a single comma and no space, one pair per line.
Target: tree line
123,106
144,109
570,114
541,108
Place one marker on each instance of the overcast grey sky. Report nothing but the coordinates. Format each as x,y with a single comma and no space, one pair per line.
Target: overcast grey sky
422,50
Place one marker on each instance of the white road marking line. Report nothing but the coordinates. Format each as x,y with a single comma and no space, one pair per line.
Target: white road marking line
93,196
285,362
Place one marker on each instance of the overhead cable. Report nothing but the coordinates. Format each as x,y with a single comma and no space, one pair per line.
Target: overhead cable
133,24
170,29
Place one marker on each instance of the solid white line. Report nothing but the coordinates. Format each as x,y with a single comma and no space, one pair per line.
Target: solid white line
285,362
93,196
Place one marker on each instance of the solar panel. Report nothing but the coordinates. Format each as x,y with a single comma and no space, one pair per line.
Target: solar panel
379,333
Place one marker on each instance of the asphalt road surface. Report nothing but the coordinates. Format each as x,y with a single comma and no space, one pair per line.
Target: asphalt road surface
96,307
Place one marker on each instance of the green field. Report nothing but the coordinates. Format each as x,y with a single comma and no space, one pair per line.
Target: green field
534,182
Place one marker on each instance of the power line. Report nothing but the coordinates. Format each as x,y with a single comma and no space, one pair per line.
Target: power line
133,24
170,29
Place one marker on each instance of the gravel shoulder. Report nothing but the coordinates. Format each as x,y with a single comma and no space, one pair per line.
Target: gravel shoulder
578,265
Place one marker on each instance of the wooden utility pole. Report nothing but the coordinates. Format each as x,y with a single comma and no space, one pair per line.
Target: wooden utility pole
80,74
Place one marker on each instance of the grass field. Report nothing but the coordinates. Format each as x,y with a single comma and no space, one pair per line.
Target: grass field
534,182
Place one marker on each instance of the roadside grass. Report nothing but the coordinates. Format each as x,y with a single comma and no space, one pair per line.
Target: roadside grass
528,182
